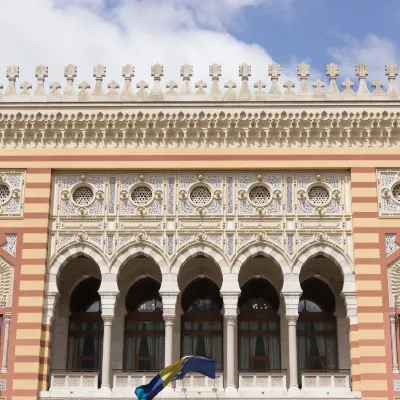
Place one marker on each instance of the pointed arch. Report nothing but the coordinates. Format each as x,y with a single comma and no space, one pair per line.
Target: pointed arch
264,249
75,250
196,249
334,254
132,250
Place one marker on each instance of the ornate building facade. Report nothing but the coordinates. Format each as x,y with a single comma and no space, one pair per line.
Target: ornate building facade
255,226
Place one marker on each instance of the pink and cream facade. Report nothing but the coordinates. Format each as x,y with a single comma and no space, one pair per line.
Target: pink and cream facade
254,226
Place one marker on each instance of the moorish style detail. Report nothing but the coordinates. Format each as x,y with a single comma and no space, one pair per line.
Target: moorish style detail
389,192
12,183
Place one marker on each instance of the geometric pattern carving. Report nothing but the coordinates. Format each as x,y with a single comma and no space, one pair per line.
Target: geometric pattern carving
390,243
389,193
12,185
227,210
393,273
6,283
10,246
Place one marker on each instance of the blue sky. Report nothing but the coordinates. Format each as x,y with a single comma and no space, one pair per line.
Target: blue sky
200,32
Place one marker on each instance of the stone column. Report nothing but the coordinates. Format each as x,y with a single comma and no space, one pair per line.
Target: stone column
292,314
231,324
106,363
5,343
395,363
292,326
169,339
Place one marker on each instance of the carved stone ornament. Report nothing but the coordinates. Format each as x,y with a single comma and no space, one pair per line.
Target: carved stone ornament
261,236
242,194
16,193
301,194
385,192
158,194
321,236
99,195
319,210
336,194
260,210
2,176
217,194
141,211
277,194
183,195
200,237
82,211
141,236
200,211
81,236
65,194
124,194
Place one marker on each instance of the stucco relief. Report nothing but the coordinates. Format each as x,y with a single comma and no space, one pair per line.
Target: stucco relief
389,192
12,183
6,283
226,211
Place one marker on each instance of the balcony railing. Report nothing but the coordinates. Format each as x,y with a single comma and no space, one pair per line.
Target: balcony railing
129,380
200,383
338,380
274,380
74,380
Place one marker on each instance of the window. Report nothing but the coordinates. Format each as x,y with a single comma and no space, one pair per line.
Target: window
316,327
202,321
83,195
144,328
85,337
259,333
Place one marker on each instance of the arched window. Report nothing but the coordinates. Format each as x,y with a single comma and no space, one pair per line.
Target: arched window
85,336
316,327
144,327
259,333
202,320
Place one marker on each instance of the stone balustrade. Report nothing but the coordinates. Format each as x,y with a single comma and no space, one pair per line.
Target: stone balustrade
74,381
124,381
258,91
200,383
325,380
262,381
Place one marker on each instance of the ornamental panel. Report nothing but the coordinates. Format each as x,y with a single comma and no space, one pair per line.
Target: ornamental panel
227,211
12,184
389,192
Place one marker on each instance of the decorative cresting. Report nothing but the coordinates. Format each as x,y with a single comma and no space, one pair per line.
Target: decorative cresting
166,213
6,283
393,274
12,183
173,92
389,192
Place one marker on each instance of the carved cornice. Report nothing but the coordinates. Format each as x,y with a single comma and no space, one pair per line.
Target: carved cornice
224,127
172,91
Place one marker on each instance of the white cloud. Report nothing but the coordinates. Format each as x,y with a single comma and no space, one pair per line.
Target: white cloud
116,32
372,50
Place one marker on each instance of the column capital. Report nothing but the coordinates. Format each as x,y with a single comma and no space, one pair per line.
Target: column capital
169,320
108,319
230,320
292,319
7,317
392,316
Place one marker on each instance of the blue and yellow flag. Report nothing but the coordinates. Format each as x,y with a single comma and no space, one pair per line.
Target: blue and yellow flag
178,370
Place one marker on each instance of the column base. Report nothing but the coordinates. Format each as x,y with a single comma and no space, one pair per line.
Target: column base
4,371
105,388
169,389
230,389
395,371
294,390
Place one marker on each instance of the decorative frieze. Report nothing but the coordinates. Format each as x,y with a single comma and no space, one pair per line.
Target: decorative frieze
228,211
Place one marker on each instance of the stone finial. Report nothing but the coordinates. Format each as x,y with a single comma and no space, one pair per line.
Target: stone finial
186,74
362,73
348,85
142,93
54,89
391,71
83,94
230,94
157,71
41,73
201,85
274,71
70,73
332,72
289,86
259,86
99,72
128,72
113,86
319,85
303,72
215,73
171,86
245,73
12,75
378,85
25,87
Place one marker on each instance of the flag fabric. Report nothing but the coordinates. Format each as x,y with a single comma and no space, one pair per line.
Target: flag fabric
176,371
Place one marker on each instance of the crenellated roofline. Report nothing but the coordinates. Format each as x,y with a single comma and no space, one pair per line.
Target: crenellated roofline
201,91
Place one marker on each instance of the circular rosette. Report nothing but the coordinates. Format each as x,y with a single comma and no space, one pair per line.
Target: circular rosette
319,210
261,236
260,210
301,194
141,211
158,194
217,194
141,236
65,194
81,236
336,194
200,237
82,211
201,211
183,195
277,194
99,195
242,194
82,178
124,194
16,193
321,236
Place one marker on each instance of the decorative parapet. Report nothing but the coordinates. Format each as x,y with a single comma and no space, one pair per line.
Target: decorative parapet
166,92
